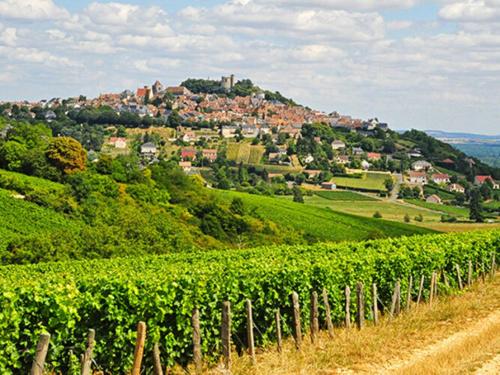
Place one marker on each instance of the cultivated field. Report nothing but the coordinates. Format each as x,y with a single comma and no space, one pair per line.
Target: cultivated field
370,181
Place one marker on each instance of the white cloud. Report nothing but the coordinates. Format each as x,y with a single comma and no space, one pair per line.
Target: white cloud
399,25
8,36
471,11
31,10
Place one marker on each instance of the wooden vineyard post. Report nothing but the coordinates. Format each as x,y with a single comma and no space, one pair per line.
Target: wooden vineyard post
493,268
483,273
296,321
420,289
375,303
157,370
347,307
226,334
408,293
250,338
360,301
469,275
139,348
431,293
314,317
328,313
41,352
86,363
396,300
459,277
195,321
278,331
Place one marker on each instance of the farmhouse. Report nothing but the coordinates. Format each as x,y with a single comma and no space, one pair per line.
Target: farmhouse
421,165
338,145
210,154
479,180
440,178
118,142
188,154
433,199
456,188
373,156
148,149
185,165
419,178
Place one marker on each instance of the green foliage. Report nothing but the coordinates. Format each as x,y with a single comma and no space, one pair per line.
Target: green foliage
111,296
297,195
377,215
475,206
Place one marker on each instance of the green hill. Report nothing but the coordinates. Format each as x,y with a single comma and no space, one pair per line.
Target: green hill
318,223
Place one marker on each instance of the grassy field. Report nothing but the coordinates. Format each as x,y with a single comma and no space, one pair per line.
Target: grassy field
459,212
389,210
165,133
320,223
256,154
370,181
343,196
457,335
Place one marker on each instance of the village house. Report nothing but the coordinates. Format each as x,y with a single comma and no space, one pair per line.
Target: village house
157,88
228,131
358,151
210,154
118,142
338,145
143,93
178,91
148,149
434,199
312,172
419,178
421,165
186,166
456,188
189,136
188,154
342,159
374,156
480,180
440,178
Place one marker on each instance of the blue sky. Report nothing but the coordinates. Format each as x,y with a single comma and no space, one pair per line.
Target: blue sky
413,63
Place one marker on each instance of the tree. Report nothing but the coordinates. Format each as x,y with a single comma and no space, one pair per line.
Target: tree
297,195
407,218
67,154
389,184
475,208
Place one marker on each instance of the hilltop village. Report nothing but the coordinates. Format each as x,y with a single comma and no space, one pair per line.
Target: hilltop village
235,135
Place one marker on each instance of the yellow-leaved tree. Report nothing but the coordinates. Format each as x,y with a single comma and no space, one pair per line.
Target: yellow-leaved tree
67,154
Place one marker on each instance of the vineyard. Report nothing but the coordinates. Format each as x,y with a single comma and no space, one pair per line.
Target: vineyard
111,296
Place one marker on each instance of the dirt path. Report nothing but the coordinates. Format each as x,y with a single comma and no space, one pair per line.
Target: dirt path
462,350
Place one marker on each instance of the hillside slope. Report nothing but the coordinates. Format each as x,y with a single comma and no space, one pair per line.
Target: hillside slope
321,224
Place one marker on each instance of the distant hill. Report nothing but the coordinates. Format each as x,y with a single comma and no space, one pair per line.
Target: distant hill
451,137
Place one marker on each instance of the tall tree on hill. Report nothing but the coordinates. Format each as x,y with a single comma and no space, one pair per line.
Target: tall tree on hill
475,206
297,195
67,154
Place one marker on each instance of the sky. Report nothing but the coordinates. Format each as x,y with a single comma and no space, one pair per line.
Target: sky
412,63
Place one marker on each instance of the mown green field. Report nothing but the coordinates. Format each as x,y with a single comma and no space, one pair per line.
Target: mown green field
370,182
343,196
389,210
460,212
321,223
